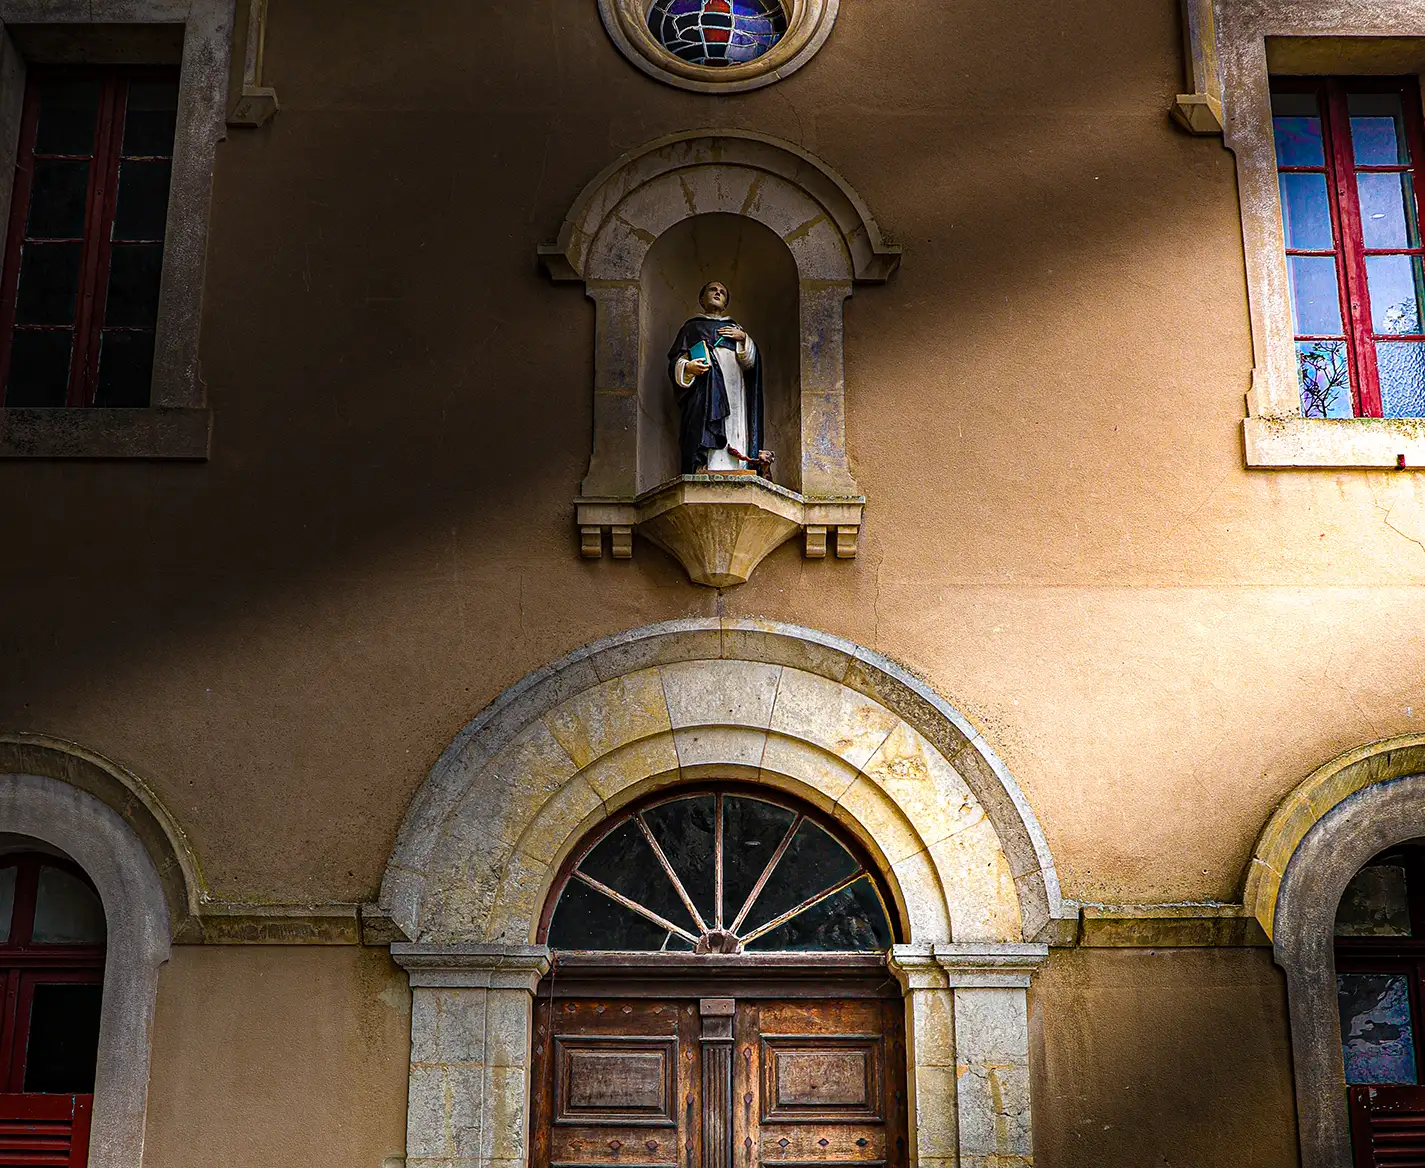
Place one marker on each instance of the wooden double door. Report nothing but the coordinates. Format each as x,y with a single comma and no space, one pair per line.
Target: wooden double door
719,1082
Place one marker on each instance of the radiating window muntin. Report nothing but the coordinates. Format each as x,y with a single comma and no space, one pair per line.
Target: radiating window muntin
720,871
1347,154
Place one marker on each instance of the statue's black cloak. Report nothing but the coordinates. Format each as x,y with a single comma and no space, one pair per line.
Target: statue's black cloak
703,407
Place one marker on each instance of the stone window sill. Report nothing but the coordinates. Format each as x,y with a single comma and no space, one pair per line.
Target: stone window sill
161,432
1397,443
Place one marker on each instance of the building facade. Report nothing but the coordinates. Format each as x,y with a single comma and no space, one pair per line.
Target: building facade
1014,756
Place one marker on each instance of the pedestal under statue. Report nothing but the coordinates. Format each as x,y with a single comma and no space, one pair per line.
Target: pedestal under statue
717,375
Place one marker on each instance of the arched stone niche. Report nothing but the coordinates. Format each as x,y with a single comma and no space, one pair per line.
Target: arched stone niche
628,240
694,700
1357,805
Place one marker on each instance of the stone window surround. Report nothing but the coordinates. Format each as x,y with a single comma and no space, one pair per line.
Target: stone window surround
136,914
808,26
177,423
1232,47
692,700
1321,835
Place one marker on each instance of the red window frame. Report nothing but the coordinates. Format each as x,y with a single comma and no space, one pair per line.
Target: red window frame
1350,251
100,206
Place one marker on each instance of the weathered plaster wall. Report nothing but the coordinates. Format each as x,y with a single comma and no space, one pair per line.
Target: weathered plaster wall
279,1055
1044,411
1167,1058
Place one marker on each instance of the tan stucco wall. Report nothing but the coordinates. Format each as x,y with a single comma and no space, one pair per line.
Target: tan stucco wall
1168,1057
278,1055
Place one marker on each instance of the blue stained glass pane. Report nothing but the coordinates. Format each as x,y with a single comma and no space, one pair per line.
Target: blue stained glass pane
1402,378
1306,211
1325,379
717,32
1376,1039
1296,122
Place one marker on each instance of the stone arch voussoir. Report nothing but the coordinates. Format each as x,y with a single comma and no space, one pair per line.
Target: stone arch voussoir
691,700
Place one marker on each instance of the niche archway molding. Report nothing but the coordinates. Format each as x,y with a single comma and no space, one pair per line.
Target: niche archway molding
1322,834
718,529
691,701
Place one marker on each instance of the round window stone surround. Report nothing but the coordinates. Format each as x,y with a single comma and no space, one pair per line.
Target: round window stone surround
808,25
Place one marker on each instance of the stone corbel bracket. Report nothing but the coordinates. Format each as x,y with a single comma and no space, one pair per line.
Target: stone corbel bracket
720,528
256,102
1200,112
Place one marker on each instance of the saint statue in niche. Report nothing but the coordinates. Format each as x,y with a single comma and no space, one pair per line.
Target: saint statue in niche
717,374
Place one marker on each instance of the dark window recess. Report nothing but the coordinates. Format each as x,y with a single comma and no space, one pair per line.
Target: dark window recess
1349,158
84,256
64,1039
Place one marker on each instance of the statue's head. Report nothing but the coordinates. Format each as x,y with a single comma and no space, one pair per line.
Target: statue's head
714,298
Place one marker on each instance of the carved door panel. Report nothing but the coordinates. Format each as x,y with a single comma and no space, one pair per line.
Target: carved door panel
719,1083
615,1082
819,1083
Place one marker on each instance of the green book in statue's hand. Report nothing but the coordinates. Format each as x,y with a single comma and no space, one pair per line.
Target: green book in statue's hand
700,352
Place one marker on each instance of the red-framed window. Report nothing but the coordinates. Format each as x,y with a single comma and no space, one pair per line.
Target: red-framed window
84,254
52,946
1349,152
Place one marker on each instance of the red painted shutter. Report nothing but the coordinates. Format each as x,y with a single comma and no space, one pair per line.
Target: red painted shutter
1388,1127
45,1131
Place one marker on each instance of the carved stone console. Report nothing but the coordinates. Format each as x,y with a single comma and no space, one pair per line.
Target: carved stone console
790,238
720,528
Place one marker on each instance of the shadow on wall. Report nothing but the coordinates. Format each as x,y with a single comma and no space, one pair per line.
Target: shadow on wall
761,278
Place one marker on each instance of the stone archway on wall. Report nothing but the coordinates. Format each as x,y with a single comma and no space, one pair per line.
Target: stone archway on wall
1349,810
812,214
810,714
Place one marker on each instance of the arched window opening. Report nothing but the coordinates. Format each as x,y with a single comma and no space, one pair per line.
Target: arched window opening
720,871
52,947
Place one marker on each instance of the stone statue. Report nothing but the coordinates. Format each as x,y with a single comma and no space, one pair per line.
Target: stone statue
719,391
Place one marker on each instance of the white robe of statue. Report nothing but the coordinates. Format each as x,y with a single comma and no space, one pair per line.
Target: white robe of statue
732,362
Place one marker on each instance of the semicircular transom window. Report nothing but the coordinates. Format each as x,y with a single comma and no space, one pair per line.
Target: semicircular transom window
719,872
717,32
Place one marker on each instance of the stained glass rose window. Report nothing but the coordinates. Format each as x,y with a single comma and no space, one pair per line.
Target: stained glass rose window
717,32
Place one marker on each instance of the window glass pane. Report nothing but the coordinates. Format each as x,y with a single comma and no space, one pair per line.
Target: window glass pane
587,919
49,283
1376,1038
134,273
57,199
68,110
624,861
150,118
686,831
1394,283
851,920
1402,378
1315,297
1377,129
7,902
125,370
1297,126
64,1039
812,864
1325,379
1388,210
730,32
143,200
1306,211
1375,904
39,368
752,830
67,912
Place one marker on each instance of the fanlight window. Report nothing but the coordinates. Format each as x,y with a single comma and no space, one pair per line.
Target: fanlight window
719,872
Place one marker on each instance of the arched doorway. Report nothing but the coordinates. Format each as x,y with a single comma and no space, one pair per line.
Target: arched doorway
718,992
52,947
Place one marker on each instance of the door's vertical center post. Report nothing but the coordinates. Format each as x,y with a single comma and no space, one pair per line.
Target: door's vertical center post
717,1015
